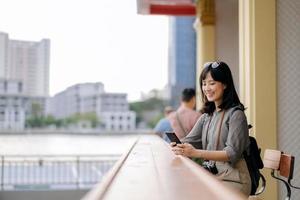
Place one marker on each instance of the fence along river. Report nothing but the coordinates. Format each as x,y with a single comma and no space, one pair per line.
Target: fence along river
57,161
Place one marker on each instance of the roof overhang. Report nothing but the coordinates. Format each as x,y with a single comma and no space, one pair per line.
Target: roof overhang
167,7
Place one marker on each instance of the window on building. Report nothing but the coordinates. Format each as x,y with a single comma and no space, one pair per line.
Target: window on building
5,86
20,87
3,101
2,116
16,116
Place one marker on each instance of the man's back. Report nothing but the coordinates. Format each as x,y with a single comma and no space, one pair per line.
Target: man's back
183,120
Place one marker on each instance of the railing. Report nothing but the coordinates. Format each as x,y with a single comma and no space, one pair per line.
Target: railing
36,172
150,170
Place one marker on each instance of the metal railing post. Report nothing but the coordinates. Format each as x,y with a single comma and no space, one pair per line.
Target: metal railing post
78,172
32,171
2,172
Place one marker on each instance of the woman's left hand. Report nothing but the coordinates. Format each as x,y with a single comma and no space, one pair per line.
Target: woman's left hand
185,149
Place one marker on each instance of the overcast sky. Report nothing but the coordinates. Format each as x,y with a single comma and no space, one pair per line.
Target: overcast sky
94,41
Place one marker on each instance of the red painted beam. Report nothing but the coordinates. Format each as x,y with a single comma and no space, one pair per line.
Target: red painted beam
173,9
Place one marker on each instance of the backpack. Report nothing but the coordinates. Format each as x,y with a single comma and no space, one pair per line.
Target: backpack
254,163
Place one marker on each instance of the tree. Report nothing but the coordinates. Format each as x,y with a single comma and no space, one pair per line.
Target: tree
89,116
35,119
149,105
36,110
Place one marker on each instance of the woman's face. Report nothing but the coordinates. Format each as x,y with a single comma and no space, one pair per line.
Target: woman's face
213,90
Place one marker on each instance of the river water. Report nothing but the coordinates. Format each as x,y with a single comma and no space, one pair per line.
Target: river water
64,144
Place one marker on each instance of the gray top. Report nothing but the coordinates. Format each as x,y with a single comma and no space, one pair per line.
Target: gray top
234,135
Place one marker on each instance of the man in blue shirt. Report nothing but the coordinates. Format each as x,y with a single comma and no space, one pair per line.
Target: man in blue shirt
164,124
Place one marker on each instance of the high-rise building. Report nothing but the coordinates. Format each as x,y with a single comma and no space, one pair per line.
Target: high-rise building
182,57
26,61
3,55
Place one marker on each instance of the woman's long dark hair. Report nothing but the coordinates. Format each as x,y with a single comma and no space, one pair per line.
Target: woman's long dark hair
220,72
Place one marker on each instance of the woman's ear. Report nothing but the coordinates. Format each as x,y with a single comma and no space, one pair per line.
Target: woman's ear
224,86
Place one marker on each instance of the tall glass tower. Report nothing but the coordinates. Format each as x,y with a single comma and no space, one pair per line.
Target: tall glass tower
182,57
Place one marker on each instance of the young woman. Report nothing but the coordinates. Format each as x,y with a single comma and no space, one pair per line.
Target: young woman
220,136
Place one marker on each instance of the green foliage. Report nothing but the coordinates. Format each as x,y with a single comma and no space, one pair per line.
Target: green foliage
90,116
36,110
38,121
148,105
155,120
42,121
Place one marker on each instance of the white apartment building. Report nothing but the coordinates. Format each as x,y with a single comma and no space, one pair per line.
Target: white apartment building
12,109
26,61
15,106
111,108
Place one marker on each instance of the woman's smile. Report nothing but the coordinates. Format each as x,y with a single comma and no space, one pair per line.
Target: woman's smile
213,90
209,95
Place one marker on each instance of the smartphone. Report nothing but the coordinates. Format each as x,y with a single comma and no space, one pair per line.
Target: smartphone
173,137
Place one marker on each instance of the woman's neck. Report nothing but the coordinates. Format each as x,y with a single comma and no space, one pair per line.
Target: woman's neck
217,104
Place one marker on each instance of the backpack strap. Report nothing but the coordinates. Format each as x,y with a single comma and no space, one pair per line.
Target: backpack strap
219,130
180,124
218,133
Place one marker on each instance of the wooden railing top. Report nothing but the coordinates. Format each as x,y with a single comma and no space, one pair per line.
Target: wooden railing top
150,170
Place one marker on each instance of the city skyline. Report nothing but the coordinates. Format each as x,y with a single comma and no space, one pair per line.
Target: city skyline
94,41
